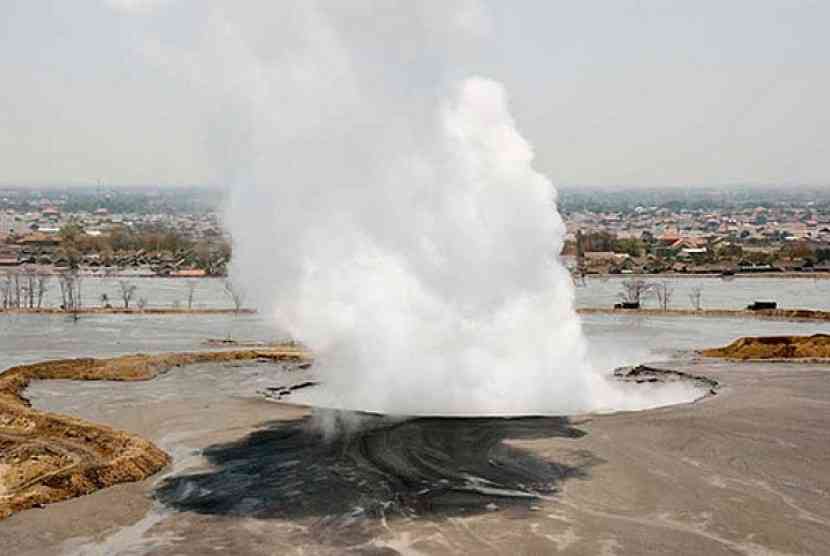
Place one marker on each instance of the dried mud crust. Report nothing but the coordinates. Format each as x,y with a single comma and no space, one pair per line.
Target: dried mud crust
643,374
46,457
814,348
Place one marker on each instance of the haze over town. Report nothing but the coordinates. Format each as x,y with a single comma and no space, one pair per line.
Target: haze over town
617,94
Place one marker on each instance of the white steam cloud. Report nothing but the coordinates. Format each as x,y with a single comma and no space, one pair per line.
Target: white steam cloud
433,285
385,210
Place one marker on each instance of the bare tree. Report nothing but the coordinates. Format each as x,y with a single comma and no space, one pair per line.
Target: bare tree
7,290
664,291
634,289
78,297
14,290
64,282
141,303
191,291
235,294
127,290
17,289
70,286
695,297
29,287
41,287
23,289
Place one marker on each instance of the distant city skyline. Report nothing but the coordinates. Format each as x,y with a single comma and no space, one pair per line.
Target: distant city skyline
635,94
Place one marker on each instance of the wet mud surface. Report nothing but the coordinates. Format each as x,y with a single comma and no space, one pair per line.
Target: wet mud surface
740,472
430,467
46,457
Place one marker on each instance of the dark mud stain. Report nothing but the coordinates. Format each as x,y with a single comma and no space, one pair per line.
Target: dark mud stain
643,373
424,467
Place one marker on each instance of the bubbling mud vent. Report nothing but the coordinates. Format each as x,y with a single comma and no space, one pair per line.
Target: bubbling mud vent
384,469
344,474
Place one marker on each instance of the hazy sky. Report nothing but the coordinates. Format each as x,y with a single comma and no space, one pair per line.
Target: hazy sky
613,92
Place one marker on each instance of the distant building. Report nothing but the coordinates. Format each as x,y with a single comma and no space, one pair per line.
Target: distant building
594,257
669,237
9,223
39,239
51,213
8,255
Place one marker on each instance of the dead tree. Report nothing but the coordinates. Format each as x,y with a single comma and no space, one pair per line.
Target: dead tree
634,289
33,285
13,290
70,286
80,303
41,287
127,290
29,287
17,285
64,282
664,292
6,290
191,291
235,293
695,297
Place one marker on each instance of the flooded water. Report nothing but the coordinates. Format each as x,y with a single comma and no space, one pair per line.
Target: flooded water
615,339
209,293
256,477
30,338
737,293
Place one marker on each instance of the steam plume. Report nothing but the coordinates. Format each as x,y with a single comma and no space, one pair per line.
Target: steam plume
385,210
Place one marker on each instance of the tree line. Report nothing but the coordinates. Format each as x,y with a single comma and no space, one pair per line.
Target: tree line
27,288
636,290
210,254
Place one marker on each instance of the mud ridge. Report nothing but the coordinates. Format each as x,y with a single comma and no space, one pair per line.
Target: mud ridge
46,457
782,348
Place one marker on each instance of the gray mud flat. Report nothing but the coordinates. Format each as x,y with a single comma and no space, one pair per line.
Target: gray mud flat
741,472
386,469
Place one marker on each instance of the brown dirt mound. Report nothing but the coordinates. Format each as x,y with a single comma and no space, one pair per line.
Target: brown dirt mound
775,347
45,457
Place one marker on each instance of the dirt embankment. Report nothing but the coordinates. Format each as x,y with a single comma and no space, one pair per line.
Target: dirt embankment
772,314
812,348
46,457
